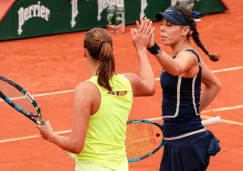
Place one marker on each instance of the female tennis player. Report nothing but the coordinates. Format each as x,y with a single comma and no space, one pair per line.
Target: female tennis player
102,104
188,146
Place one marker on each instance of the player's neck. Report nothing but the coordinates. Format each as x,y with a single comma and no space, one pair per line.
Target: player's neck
176,48
93,68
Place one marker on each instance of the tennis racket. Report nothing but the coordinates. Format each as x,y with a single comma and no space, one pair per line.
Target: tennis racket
145,138
20,100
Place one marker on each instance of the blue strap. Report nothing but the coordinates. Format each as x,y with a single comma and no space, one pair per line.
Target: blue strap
195,53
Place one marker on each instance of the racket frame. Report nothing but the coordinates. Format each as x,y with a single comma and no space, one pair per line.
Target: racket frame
156,149
18,108
207,122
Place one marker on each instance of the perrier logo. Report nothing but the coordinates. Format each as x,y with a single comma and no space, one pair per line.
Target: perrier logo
74,12
32,11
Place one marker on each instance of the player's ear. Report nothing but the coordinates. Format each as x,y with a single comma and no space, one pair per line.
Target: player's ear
186,30
86,52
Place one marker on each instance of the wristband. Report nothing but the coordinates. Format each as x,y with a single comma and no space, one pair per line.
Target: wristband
155,49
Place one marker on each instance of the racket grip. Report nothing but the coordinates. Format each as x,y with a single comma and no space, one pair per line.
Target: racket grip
211,121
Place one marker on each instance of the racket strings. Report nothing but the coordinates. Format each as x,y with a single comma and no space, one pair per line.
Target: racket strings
17,98
142,138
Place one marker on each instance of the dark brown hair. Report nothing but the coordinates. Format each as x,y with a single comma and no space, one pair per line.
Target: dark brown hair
195,34
100,47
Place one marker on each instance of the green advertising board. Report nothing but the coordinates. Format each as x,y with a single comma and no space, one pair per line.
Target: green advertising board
31,18
209,6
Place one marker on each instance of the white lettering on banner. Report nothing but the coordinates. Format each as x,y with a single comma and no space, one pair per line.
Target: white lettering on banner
103,4
173,2
143,7
27,13
74,12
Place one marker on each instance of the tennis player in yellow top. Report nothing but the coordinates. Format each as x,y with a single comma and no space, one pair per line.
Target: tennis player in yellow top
102,103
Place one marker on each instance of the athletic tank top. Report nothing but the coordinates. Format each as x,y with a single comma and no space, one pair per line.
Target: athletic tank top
105,139
181,102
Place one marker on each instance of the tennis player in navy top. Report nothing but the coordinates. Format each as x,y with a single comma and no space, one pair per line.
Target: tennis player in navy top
188,145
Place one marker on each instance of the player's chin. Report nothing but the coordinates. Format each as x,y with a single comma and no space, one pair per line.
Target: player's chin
165,43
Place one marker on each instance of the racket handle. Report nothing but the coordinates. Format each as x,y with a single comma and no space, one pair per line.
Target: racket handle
211,121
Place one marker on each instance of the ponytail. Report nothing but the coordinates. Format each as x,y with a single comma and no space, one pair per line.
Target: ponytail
106,67
195,36
100,47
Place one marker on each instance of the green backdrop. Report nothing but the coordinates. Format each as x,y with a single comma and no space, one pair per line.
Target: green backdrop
31,18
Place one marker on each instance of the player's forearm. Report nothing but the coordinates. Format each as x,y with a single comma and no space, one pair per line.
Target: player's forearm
208,96
66,143
168,63
165,60
146,71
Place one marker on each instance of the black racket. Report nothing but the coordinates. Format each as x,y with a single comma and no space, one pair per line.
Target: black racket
19,99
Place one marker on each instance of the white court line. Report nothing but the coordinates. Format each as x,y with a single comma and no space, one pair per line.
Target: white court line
216,110
157,79
220,70
30,137
42,94
158,118
228,69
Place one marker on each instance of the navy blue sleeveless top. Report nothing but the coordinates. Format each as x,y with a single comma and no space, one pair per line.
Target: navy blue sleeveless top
181,101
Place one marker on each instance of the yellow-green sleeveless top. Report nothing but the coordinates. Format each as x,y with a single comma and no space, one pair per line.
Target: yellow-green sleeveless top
105,139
